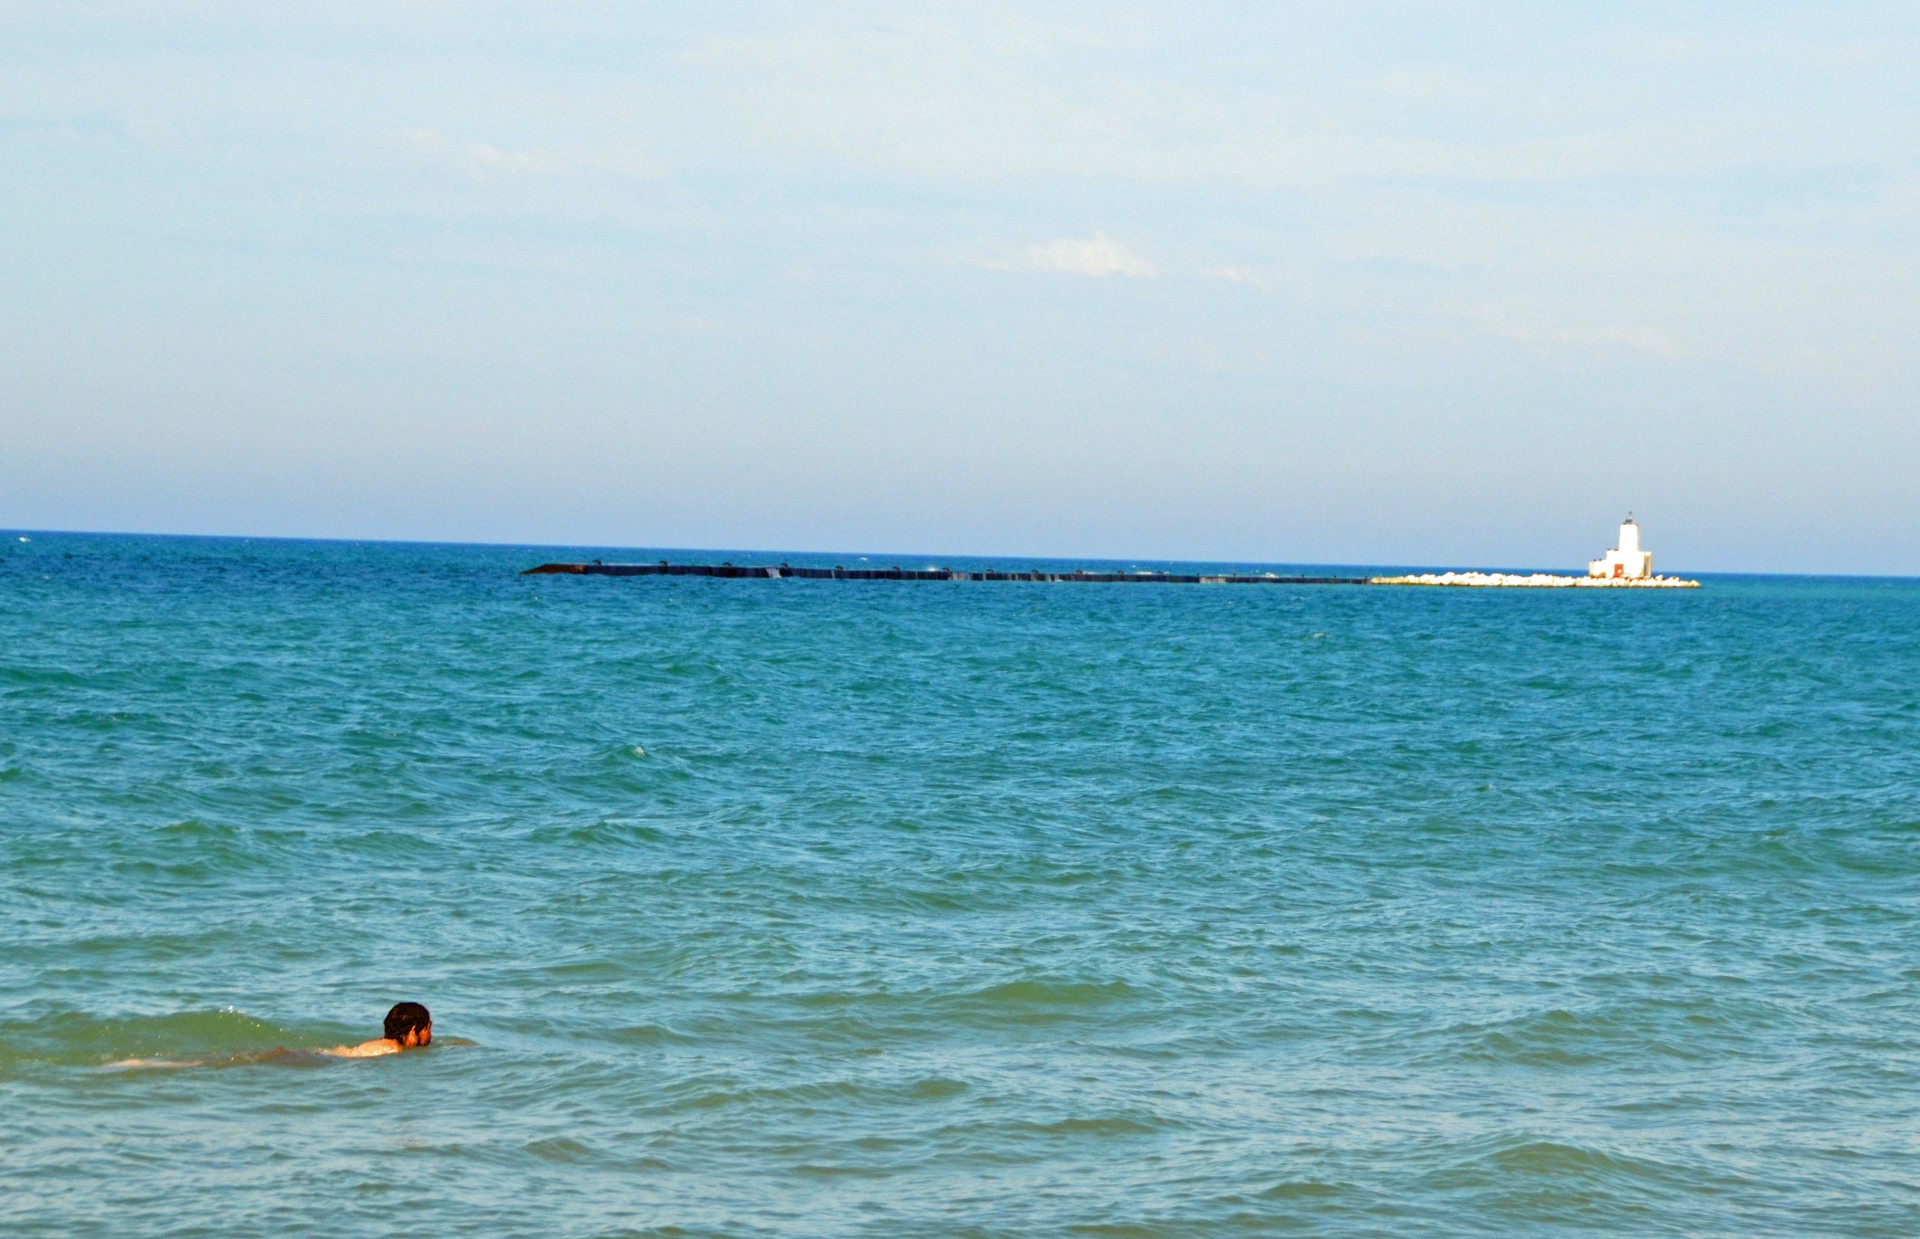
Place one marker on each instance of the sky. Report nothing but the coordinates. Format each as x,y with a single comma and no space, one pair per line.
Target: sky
1448,284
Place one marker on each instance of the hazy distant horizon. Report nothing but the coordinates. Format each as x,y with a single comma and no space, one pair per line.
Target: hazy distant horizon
916,558
1408,283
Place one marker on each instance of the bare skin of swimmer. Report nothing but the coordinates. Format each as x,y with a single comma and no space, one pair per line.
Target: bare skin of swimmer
413,1039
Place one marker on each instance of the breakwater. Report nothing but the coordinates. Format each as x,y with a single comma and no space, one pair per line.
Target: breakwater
838,573
1537,580
778,571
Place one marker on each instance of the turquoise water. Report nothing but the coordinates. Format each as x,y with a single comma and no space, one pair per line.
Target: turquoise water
815,908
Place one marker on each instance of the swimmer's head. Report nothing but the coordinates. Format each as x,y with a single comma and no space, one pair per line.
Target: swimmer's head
409,1024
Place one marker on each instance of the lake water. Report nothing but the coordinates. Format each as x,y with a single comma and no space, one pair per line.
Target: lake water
817,908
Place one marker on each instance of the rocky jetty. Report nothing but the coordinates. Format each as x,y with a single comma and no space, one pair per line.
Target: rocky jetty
1539,580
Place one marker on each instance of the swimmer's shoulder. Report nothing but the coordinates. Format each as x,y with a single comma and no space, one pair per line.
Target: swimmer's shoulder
366,1049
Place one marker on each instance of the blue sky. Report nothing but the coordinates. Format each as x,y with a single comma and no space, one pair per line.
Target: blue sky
1452,284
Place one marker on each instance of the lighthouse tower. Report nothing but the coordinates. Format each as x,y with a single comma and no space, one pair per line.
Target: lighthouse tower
1626,561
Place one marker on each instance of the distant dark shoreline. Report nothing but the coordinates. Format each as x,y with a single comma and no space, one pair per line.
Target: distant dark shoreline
732,571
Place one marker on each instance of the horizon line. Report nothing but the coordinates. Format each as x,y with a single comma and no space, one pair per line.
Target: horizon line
11,531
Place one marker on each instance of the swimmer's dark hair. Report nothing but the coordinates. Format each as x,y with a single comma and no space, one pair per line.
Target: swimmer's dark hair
404,1018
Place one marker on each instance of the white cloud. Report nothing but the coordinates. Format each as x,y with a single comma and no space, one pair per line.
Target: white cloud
1633,339
1096,255
1238,275
486,155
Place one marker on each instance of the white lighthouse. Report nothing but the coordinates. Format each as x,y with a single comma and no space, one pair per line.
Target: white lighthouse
1626,561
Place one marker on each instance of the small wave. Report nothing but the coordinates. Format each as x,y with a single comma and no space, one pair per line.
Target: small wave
81,1040
937,1088
1035,1001
193,828
1583,1165
1017,1140
1553,1157
1105,1125
824,1170
1053,992
1041,1001
1623,1032
651,1035
1301,1189
1555,1177
1554,1038
921,899
721,1094
562,1149
603,833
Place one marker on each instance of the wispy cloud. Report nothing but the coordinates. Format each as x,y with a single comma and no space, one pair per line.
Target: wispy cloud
485,157
1097,255
1600,339
1238,275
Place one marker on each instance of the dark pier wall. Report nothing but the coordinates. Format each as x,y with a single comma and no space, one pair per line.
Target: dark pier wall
777,571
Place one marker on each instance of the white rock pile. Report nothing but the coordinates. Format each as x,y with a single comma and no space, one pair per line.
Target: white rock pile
1539,580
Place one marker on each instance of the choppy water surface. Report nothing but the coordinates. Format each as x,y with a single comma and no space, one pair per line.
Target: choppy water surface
812,908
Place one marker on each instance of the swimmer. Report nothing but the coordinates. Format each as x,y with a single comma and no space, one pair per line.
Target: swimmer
409,1026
